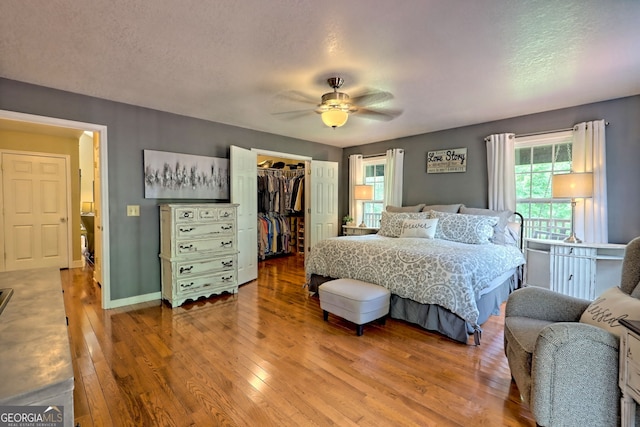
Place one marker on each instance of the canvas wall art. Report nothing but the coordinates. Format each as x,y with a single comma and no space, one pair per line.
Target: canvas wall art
185,176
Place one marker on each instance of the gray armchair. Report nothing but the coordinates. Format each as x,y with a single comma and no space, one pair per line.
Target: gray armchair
566,371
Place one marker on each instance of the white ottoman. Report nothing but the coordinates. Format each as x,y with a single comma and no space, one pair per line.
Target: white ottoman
354,300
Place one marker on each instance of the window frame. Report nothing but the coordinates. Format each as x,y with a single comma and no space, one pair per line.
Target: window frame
531,141
373,161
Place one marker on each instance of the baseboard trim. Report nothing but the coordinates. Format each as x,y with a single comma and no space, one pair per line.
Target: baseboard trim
155,296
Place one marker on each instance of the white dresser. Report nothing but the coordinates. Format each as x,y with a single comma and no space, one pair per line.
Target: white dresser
198,250
582,270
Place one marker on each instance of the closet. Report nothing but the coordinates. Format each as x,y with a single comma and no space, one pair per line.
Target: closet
281,203
320,195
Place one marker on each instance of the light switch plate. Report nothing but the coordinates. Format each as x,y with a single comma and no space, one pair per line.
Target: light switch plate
133,210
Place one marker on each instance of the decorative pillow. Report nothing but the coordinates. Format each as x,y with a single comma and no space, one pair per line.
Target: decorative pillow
425,228
473,229
609,308
512,233
391,222
416,208
443,208
499,229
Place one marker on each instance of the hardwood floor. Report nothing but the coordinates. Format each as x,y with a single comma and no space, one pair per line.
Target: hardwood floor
265,357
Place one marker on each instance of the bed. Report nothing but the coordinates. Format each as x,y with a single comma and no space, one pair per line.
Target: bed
450,280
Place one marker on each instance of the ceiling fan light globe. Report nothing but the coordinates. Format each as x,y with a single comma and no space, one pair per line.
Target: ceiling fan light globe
334,118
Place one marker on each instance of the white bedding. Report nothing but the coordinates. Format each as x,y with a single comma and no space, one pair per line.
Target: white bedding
429,271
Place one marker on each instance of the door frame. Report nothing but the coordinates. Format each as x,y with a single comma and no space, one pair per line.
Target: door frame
67,163
104,184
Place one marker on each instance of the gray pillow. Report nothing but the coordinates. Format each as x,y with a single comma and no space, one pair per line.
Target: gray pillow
416,208
443,208
472,229
500,228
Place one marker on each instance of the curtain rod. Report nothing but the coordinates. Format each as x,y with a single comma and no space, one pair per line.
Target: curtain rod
549,131
365,156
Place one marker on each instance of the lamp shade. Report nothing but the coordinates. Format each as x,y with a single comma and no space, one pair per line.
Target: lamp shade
334,117
87,207
572,185
363,192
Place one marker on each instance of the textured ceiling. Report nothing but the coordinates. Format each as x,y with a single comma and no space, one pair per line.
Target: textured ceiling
448,63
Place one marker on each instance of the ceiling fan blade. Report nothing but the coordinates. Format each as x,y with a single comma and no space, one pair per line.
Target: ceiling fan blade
371,97
378,114
297,96
294,114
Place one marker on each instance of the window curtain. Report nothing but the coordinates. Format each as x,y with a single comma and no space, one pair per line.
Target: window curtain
501,166
356,177
393,177
589,155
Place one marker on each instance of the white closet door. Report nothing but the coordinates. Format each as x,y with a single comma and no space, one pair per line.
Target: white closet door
244,191
322,202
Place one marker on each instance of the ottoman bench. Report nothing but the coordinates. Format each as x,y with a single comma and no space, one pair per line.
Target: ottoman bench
356,301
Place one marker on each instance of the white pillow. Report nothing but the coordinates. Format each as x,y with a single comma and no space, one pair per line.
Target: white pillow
472,229
609,308
391,222
425,228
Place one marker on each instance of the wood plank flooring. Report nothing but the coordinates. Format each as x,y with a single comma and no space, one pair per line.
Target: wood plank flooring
265,357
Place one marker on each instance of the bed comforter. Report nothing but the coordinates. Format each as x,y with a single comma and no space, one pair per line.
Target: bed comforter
428,271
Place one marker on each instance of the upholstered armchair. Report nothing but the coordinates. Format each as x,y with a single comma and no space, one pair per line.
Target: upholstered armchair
566,371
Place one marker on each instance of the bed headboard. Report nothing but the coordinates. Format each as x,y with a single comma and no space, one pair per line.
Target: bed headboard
520,219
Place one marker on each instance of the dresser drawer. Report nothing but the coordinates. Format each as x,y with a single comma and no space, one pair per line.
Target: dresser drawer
203,283
203,246
204,229
188,269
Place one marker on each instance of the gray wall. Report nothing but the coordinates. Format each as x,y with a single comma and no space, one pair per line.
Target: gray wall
470,188
135,266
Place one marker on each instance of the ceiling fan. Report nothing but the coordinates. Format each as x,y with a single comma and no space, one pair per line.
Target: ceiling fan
335,107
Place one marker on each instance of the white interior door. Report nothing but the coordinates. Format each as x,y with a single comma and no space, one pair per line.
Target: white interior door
321,202
36,212
97,208
244,191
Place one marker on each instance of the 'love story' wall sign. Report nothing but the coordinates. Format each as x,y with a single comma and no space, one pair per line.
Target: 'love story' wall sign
446,161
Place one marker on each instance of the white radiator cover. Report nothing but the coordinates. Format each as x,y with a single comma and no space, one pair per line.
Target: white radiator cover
574,270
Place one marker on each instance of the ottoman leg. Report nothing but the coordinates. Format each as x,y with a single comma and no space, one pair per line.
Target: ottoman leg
325,315
382,320
359,330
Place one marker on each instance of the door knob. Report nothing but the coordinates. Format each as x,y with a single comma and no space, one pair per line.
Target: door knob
63,220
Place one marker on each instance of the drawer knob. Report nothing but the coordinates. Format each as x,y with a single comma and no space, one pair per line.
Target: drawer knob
186,285
225,215
186,230
227,264
226,244
187,247
227,227
186,269
226,278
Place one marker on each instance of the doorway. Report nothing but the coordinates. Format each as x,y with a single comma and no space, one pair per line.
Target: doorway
100,135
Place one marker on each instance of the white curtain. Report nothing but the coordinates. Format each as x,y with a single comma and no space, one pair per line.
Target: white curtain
393,177
501,166
355,178
589,155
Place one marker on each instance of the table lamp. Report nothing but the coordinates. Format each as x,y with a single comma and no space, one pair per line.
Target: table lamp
363,192
572,186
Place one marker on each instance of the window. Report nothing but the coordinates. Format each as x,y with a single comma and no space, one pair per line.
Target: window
374,175
537,159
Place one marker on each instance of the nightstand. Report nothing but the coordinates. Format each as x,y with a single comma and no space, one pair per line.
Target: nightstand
629,373
353,230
